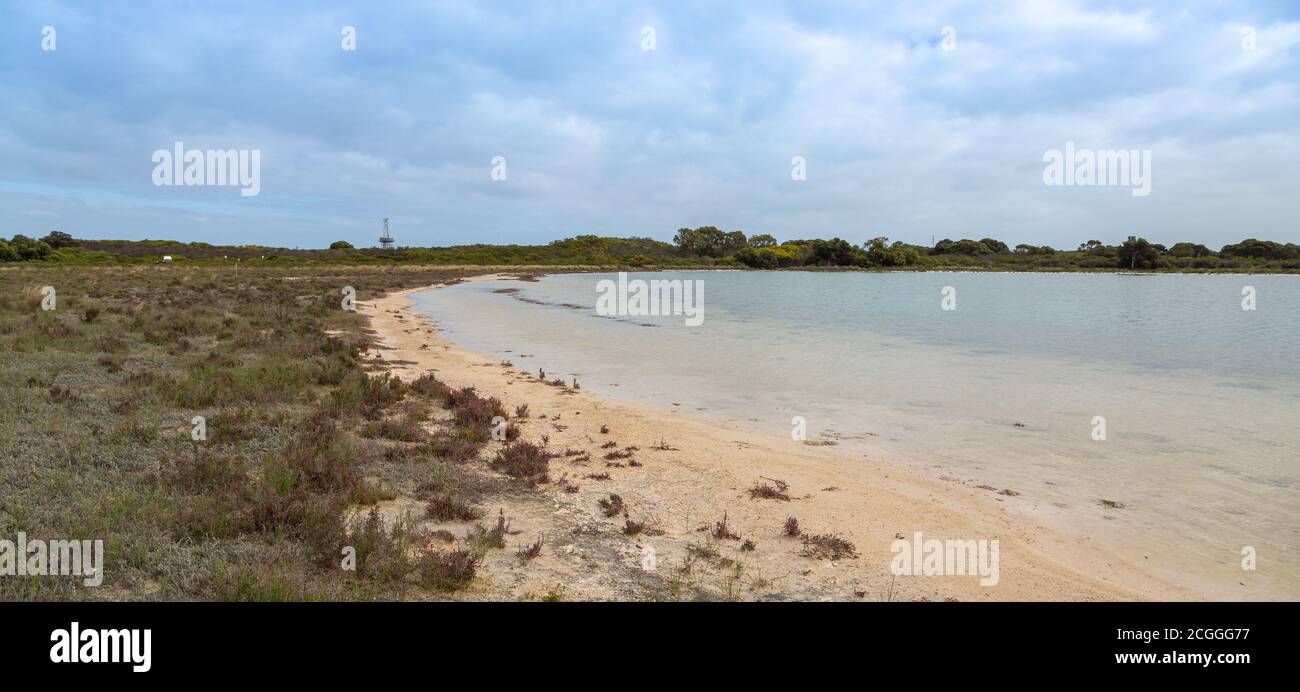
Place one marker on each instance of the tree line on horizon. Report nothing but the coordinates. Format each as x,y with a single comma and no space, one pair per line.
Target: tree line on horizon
761,251
702,246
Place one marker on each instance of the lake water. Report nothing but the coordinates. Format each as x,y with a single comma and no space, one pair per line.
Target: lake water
1200,397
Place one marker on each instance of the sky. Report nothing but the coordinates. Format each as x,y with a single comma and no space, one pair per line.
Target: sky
911,120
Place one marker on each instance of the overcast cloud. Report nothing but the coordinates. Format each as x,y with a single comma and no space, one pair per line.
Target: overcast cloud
901,137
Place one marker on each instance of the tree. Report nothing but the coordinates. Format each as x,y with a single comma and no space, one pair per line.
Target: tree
59,239
964,247
1137,252
7,253
899,254
788,255
1189,250
835,252
997,246
733,241
762,240
708,241
28,249
1261,249
341,245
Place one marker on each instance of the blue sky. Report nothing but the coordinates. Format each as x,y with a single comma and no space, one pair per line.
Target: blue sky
900,136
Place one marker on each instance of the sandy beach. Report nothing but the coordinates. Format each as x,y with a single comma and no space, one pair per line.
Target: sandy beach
683,475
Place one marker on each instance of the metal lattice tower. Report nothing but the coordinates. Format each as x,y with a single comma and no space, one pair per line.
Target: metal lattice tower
386,240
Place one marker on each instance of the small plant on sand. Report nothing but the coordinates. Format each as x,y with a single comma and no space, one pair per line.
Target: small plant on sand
776,490
482,539
828,546
555,594
632,528
604,430
521,411
748,546
530,551
792,527
704,551
611,506
723,532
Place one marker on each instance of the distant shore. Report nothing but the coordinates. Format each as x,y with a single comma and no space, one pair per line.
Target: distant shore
704,247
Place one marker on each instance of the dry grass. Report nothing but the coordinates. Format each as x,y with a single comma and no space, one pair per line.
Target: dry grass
450,570
96,440
828,547
776,490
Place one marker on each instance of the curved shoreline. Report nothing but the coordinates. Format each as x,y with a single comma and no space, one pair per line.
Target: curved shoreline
708,469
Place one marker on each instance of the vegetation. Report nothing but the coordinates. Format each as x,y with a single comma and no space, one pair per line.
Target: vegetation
98,440
828,547
579,251
776,490
791,527
706,246
993,255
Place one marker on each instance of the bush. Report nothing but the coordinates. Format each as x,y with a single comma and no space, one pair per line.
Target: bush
28,250
828,546
770,257
59,239
448,570
769,491
791,527
446,507
523,460
380,553
611,506
365,395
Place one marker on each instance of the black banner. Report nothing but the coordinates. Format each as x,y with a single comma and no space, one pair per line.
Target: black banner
336,641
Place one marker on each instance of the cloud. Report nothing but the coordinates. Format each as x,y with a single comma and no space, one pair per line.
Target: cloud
901,136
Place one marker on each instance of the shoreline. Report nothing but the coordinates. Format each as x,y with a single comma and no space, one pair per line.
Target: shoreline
703,471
